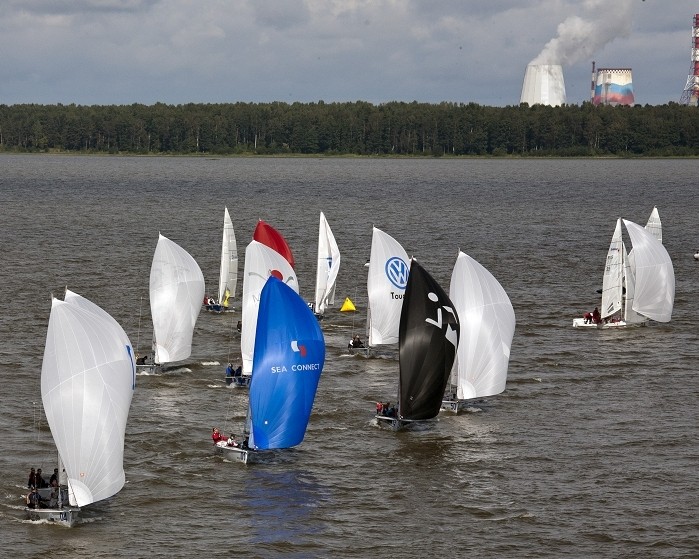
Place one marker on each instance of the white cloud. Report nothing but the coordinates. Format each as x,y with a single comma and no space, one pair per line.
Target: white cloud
179,51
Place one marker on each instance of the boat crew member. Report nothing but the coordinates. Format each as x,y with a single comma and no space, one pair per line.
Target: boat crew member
596,317
216,436
34,500
53,500
356,342
39,481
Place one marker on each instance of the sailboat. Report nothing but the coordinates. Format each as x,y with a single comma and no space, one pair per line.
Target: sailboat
428,338
386,282
487,322
228,276
176,292
328,267
636,287
88,376
288,360
261,262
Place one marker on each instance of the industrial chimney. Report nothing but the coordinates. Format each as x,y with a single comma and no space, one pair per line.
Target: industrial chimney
690,95
543,85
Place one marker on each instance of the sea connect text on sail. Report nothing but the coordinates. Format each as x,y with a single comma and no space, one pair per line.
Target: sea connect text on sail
297,368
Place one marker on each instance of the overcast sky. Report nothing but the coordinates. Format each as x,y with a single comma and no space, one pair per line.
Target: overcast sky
103,52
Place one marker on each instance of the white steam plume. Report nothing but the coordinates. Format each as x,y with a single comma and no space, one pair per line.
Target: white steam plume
579,37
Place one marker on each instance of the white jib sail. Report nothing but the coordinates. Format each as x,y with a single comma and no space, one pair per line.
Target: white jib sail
260,263
487,322
176,292
87,380
654,226
328,266
655,277
613,275
228,277
389,267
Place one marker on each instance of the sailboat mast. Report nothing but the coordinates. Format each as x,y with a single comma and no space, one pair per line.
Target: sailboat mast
230,340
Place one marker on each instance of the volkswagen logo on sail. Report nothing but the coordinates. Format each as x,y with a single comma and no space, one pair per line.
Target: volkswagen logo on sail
397,272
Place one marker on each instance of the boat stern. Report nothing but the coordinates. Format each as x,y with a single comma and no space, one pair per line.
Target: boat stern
233,453
452,406
66,516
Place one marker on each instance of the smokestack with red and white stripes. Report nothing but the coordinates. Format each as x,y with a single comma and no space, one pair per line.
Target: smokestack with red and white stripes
690,95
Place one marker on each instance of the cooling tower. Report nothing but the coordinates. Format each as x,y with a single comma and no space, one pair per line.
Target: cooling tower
543,85
613,86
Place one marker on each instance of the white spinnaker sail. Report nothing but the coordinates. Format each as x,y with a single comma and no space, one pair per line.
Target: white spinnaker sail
228,277
487,323
78,300
655,277
87,380
613,275
260,262
389,267
328,266
654,226
176,292
630,315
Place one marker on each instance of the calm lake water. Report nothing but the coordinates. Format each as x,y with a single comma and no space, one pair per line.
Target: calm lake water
591,451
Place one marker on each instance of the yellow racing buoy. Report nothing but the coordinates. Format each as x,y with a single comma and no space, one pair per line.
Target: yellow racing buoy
348,306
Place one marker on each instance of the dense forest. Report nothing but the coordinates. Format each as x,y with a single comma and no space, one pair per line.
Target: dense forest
357,128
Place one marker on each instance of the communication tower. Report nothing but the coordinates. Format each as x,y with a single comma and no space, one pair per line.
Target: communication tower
690,95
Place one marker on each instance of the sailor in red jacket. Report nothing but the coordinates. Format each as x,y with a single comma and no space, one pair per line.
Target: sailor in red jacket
217,436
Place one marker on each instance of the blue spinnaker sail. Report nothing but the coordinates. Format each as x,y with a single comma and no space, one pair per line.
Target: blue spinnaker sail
288,359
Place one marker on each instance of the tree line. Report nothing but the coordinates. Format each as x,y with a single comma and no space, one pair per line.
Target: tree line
353,128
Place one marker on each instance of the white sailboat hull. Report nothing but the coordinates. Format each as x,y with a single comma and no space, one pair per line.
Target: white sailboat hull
234,453
66,516
392,423
242,381
580,323
455,405
374,352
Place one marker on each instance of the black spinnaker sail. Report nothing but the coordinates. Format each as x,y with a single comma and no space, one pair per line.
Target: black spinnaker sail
428,337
